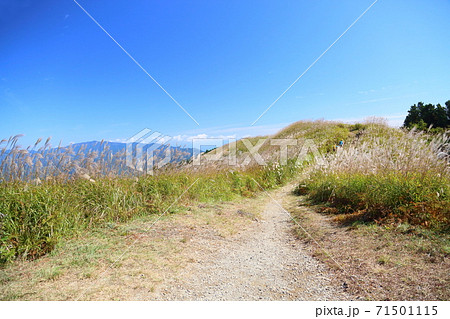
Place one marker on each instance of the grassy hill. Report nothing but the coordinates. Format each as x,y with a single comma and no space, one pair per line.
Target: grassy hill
381,175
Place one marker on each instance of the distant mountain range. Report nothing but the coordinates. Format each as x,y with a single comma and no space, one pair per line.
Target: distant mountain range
116,147
80,150
51,156
177,153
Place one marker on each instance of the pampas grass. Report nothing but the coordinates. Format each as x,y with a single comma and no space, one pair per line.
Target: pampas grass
388,175
50,193
59,164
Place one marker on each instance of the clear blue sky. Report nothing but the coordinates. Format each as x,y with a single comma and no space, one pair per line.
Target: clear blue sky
225,62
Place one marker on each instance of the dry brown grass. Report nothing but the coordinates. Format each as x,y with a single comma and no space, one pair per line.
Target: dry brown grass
389,176
37,164
381,150
380,263
85,267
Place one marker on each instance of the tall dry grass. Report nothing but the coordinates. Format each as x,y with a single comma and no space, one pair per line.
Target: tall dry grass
50,193
41,162
388,175
395,151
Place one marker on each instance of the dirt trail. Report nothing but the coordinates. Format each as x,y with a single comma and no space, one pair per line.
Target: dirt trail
242,250
264,262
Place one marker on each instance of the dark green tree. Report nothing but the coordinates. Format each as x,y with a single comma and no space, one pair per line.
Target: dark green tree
413,116
427,113
447,106
423,116
440,116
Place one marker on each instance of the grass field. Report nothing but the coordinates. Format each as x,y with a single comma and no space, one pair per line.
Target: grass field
35,217
382,175
387,176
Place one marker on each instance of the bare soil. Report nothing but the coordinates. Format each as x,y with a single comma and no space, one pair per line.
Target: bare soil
264,262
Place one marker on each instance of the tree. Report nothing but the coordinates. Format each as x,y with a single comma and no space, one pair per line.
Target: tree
447,105
423,116
413,116
427,113
440,116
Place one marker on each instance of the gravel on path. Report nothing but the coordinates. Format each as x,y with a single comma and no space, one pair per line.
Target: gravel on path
264,262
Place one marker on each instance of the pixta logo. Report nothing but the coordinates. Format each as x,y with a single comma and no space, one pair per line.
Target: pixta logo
147,150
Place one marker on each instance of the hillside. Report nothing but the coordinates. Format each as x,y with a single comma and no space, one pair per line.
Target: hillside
385,187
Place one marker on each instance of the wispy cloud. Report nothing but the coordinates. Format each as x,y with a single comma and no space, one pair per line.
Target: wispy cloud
367,92
256,130
224,133
382,99
190,138
376,100
118,140
392,120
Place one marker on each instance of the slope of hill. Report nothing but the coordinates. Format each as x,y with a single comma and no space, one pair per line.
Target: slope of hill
382,180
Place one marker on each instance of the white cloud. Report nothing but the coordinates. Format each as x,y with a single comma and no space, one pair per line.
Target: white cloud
254,130
190,138
228,132
118,140
375,100
392,120
367,92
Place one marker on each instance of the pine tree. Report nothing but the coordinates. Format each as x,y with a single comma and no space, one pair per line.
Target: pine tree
423,116
440,116
447,106
413,116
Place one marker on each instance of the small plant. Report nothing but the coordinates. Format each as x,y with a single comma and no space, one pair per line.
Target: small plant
50,273
383,260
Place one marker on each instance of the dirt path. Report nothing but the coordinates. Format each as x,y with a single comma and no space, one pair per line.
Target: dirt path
238,250
242,250
264,262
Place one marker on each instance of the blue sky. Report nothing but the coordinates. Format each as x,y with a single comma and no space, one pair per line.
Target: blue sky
225,62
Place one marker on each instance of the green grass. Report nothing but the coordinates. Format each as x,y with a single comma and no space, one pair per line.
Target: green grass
388,176
418,200
382,173
50,273
34,218
325,134
41,204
